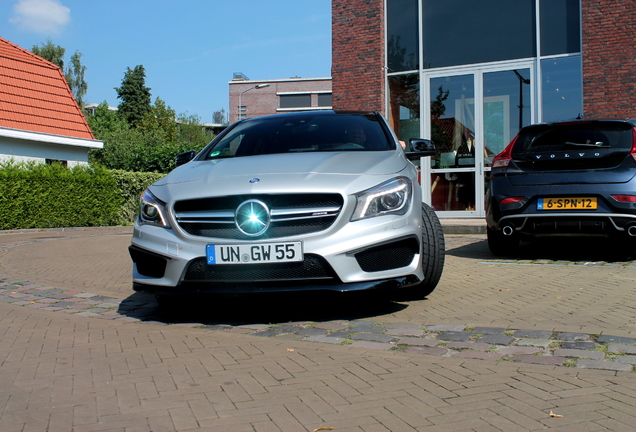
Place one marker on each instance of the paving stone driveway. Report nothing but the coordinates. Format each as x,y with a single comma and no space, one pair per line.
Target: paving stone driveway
540,342
610,348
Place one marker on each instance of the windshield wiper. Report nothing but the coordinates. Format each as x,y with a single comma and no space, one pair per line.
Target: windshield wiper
586,145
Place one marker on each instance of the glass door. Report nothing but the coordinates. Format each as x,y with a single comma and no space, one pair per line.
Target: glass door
472,116
452,129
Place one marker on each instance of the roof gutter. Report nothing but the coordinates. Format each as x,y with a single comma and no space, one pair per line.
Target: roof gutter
49,138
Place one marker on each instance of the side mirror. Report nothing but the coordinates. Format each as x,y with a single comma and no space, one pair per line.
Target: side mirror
420,147
185,157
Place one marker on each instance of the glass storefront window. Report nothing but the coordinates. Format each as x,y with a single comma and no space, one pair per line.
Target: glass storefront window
562,81
453,191
404,96
507,108
460,32
453,121
560,24
402,36
484,76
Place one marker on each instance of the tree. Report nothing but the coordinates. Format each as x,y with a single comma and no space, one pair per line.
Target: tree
162,118
134,95
192,135
50,52
150,147
73,73
219,117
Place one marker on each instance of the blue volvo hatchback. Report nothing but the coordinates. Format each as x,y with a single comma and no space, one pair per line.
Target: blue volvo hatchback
575,178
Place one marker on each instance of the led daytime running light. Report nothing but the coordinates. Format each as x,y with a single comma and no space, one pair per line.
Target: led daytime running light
371,198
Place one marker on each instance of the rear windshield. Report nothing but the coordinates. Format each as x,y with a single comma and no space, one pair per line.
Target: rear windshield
564,137
310,133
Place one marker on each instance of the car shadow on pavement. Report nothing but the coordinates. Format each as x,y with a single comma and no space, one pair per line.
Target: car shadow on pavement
568,249
257,309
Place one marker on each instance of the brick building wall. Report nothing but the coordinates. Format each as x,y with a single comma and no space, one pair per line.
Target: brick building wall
609,58
265,101
358,55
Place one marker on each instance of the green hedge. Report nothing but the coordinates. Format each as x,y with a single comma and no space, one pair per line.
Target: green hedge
53,196
132,185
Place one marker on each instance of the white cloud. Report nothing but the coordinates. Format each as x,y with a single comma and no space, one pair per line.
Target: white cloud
41,16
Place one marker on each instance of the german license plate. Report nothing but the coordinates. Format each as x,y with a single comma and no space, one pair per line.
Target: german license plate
256,253
573,203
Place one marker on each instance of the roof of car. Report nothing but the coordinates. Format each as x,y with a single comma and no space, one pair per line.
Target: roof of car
313,112
587,120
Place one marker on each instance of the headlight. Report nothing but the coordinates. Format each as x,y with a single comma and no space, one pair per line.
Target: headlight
152,211
391,197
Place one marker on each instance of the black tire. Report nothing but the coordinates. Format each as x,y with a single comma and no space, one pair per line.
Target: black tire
433,256
501,245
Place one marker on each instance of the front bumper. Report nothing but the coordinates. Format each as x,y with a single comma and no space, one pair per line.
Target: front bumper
377,253
246,288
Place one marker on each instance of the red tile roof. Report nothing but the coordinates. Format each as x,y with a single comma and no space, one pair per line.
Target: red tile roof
34,95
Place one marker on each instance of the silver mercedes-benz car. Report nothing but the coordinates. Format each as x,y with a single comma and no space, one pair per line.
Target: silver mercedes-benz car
303,201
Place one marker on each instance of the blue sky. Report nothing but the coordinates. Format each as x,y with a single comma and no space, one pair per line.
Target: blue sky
189,48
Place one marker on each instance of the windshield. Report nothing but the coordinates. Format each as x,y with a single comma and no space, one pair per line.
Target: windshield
302,133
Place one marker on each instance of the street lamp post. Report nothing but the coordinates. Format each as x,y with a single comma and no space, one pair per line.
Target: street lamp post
258,86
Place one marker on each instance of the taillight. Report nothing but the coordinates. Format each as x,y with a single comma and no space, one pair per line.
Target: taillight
504,158
633,152
625,198
511,200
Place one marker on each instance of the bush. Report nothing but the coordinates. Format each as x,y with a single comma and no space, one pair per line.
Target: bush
51,196
132,185
150,147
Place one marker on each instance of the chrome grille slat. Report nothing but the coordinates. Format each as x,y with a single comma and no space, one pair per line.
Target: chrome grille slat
312,211
290,215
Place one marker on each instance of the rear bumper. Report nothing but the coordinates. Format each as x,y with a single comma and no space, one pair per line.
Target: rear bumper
569,224
611,217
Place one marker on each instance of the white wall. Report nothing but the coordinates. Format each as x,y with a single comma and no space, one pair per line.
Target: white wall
73,150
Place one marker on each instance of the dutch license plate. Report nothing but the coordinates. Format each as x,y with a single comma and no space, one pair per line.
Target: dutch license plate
571,203
256,253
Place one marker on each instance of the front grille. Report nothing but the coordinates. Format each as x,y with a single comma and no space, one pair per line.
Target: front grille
313,268
388,256
291,215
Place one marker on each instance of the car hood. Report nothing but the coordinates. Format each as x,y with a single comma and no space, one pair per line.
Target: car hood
345,172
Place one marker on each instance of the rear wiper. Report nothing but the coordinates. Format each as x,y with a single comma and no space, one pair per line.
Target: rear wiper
591,145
